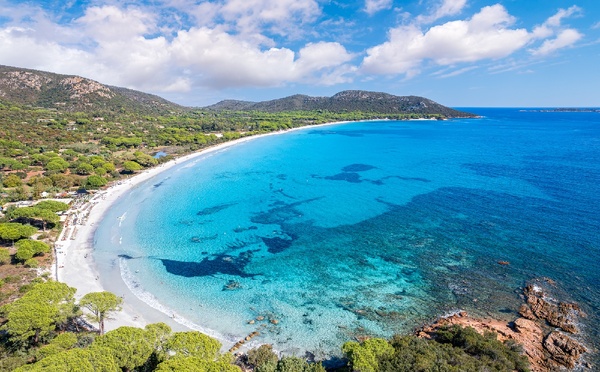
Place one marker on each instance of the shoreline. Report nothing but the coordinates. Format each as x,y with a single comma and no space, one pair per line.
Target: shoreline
74,264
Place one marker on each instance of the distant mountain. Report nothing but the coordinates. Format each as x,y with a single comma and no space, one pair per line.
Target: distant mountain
74,93
231,105
346,101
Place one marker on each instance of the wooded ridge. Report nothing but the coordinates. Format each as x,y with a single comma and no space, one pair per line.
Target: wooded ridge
74,93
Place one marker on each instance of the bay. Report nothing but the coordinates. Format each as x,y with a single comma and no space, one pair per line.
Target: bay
368,228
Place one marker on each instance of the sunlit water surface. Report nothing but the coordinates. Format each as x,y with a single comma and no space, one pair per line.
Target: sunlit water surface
367,228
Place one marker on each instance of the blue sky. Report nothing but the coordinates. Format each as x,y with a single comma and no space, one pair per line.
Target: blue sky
517,53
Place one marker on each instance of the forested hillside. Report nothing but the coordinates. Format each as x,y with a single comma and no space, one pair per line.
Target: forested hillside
347,101
60,133
74,93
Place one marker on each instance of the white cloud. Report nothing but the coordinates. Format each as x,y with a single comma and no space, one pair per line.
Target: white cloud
485,36
548,28
280,17
374,6
219,59
444,9
556,19
551,27
458,72
204,13
112,23
316,56
120,46
186,44
564,39
19,47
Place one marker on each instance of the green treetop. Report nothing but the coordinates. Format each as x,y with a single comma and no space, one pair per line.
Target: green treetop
80,360
101,305
12,231
129,346
195,364
53,205
38,312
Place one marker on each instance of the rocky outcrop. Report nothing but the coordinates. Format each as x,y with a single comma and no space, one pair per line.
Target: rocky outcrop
557,314
564,350
80,87
541,330
530,334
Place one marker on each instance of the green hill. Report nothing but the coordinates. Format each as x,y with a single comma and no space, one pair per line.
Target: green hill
77,94
346,101
74,93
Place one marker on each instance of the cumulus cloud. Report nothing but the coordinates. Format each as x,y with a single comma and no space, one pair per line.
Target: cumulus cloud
486,35
19,48
183,45
112,23
123,46
549,27
253,17
219,59
553,27
374,6
564,39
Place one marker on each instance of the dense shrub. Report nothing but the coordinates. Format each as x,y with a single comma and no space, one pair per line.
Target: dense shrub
36,247
193,344
454,349
290,364
366,355
53,205
24,253
4,256
261,355
131,166
84,169
95,181
31,263
12,180
12,231
195,364
487,348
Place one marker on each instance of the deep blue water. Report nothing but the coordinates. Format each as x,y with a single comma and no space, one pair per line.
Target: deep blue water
368,228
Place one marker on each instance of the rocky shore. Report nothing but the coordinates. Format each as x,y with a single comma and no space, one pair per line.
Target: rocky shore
547,329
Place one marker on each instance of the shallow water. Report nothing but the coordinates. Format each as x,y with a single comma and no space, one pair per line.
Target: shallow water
367,228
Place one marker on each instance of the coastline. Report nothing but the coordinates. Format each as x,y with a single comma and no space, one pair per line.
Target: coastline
74,263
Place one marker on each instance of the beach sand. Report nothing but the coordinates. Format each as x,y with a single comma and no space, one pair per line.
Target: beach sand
74,264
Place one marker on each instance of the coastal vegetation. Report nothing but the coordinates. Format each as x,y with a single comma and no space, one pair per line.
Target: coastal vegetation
50,152
60,136
62,133
43,332
452,349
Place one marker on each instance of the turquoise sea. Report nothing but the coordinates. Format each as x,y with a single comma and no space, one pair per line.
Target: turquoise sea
367,228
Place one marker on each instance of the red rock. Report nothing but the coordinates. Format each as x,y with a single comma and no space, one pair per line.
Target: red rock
564,349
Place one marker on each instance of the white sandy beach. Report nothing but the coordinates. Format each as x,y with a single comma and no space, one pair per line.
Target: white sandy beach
74,263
